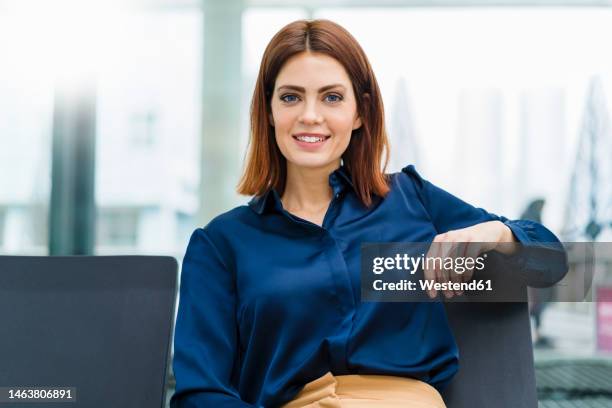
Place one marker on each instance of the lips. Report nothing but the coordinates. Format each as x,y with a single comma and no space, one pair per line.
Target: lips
310,141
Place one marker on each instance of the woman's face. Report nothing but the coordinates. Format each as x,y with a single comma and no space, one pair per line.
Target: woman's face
314,111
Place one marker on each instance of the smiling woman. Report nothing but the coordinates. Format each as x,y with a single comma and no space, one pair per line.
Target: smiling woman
270,313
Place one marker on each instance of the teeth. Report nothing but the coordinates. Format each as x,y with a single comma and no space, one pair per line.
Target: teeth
310,139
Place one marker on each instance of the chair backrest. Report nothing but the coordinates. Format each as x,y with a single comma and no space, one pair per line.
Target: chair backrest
495,356
100,325
494,338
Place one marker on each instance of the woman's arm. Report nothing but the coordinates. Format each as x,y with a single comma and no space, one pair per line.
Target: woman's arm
206,339
539,255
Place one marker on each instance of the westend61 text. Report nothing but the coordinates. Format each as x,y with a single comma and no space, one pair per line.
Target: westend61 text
406,285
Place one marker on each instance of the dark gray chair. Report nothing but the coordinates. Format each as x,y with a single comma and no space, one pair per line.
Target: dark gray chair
102,325
493,333
495,356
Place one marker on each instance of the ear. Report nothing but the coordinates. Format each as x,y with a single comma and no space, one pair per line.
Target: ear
357,123
271,119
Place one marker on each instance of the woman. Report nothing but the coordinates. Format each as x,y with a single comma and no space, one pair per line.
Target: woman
270,312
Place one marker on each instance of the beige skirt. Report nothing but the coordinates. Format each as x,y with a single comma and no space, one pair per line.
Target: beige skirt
360,391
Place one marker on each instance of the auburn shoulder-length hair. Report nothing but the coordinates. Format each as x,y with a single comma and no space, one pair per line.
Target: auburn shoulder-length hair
265,164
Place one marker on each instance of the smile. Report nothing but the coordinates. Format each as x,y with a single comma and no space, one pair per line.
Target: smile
311,138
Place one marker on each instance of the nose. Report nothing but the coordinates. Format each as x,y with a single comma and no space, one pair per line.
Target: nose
310,114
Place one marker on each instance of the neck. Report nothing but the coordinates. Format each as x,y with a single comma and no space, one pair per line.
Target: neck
308,189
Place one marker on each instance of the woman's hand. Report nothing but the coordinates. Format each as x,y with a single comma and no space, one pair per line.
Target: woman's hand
467,242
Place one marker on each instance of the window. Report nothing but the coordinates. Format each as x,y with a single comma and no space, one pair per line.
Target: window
26,110
118,227
143,129
148,131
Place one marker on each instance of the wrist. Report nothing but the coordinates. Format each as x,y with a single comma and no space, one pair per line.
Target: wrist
506,237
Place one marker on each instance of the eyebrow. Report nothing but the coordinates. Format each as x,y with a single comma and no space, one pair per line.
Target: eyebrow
300,89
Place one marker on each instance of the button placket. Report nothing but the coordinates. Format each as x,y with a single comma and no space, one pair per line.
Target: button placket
346,301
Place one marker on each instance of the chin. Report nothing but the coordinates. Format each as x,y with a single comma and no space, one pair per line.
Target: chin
312,162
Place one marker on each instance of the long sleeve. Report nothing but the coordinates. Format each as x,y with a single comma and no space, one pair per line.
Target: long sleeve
542,259
206,339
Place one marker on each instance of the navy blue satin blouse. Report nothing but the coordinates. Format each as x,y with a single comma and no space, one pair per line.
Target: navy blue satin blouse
269,301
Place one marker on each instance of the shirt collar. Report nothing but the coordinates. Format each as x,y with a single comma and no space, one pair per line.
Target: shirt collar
339,180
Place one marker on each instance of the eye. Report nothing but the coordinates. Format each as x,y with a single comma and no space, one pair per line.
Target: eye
334,98
287,98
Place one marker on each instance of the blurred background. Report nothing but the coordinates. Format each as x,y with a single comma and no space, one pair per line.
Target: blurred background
124,126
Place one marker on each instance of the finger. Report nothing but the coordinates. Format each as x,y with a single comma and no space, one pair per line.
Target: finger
429,273
433,255
464,267
447,249
457,272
